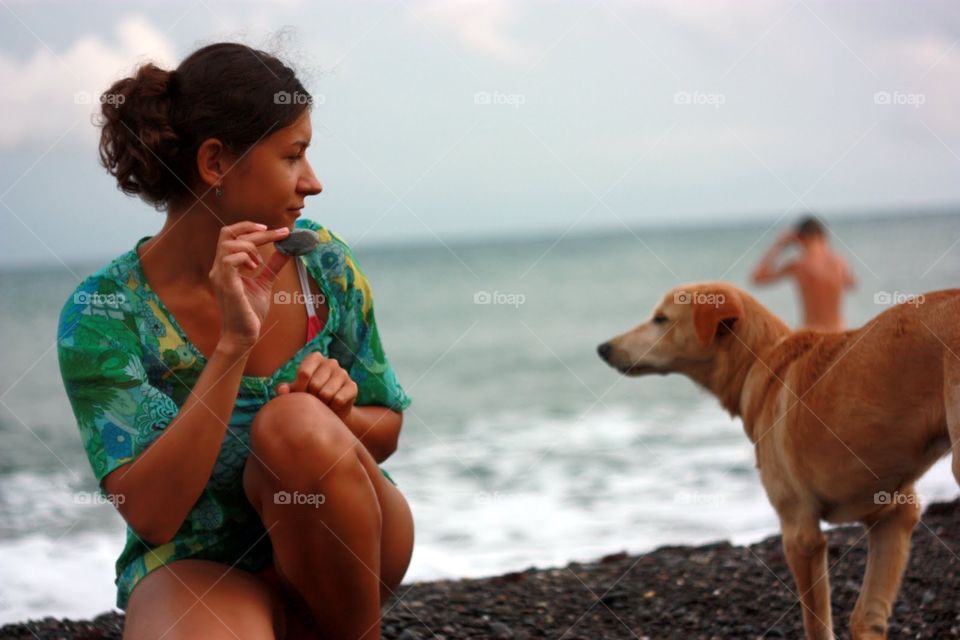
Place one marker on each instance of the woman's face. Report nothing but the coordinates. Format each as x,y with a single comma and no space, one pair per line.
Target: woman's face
271,182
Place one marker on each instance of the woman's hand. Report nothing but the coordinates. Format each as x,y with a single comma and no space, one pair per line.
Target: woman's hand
242,282
326,379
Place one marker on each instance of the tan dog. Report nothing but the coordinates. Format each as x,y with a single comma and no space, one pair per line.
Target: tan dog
843,423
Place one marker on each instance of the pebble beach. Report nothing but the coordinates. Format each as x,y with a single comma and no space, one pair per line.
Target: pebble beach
711,592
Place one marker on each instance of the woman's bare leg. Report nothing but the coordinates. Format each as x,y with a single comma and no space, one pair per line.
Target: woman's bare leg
203,599
336,524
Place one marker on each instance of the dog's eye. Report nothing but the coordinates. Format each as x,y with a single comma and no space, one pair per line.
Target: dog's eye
659,319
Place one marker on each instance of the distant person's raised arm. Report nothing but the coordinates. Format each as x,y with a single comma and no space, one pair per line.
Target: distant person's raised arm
767,270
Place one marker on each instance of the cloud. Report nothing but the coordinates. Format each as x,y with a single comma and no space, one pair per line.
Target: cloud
730,21
480,25
929,64
52,94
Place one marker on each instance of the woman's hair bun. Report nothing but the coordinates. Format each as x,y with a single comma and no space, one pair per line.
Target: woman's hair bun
138,138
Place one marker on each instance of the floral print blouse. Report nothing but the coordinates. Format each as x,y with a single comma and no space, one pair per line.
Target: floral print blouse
128,367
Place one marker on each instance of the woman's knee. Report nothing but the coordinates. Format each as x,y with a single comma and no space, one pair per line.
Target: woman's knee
203,599
299,441
298,428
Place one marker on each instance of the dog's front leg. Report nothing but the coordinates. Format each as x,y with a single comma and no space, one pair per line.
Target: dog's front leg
806,549
887,553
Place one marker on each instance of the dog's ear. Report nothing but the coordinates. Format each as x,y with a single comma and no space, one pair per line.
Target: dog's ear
713,310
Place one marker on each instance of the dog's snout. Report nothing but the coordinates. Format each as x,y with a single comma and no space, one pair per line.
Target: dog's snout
604,350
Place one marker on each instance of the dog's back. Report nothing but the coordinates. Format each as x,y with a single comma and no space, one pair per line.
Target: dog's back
872,401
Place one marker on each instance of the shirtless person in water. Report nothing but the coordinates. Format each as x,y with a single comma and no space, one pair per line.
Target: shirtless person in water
821,275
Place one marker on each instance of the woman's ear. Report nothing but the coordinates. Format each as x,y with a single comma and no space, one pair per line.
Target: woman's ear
212,162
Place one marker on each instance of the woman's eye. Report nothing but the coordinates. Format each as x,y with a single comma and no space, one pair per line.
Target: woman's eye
660,319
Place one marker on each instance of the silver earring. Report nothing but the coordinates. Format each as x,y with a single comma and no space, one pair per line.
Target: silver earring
219,191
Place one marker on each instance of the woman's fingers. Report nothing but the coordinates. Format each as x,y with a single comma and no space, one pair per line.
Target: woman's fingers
338,383
239,260
236,246
272,269
248,243
264,237
343,400
253,232
232,246
324,374
329,388
237,229
324,378
305,371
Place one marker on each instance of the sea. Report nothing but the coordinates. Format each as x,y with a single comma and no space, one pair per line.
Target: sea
521,448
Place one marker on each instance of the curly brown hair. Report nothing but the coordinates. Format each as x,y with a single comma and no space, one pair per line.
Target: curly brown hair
153,123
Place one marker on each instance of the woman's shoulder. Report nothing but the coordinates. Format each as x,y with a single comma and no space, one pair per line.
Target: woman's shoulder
334,257
108,297
327,236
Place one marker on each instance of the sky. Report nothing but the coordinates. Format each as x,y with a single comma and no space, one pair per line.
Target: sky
442,121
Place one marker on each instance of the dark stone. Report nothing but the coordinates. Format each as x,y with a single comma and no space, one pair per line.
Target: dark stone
298,243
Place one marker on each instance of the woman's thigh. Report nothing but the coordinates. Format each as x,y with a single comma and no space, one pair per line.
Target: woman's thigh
396,538
203,599
260,484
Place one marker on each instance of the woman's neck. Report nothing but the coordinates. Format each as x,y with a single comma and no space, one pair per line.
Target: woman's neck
184,249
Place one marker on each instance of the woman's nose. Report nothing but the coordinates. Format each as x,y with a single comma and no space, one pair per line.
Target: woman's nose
309,184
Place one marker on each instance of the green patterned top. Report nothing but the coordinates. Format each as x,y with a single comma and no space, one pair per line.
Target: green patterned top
128,367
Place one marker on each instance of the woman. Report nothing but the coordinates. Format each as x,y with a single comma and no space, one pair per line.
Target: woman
238,433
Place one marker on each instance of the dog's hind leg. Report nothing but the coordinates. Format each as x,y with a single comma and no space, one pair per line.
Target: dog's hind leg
888,549
806,549
951,403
